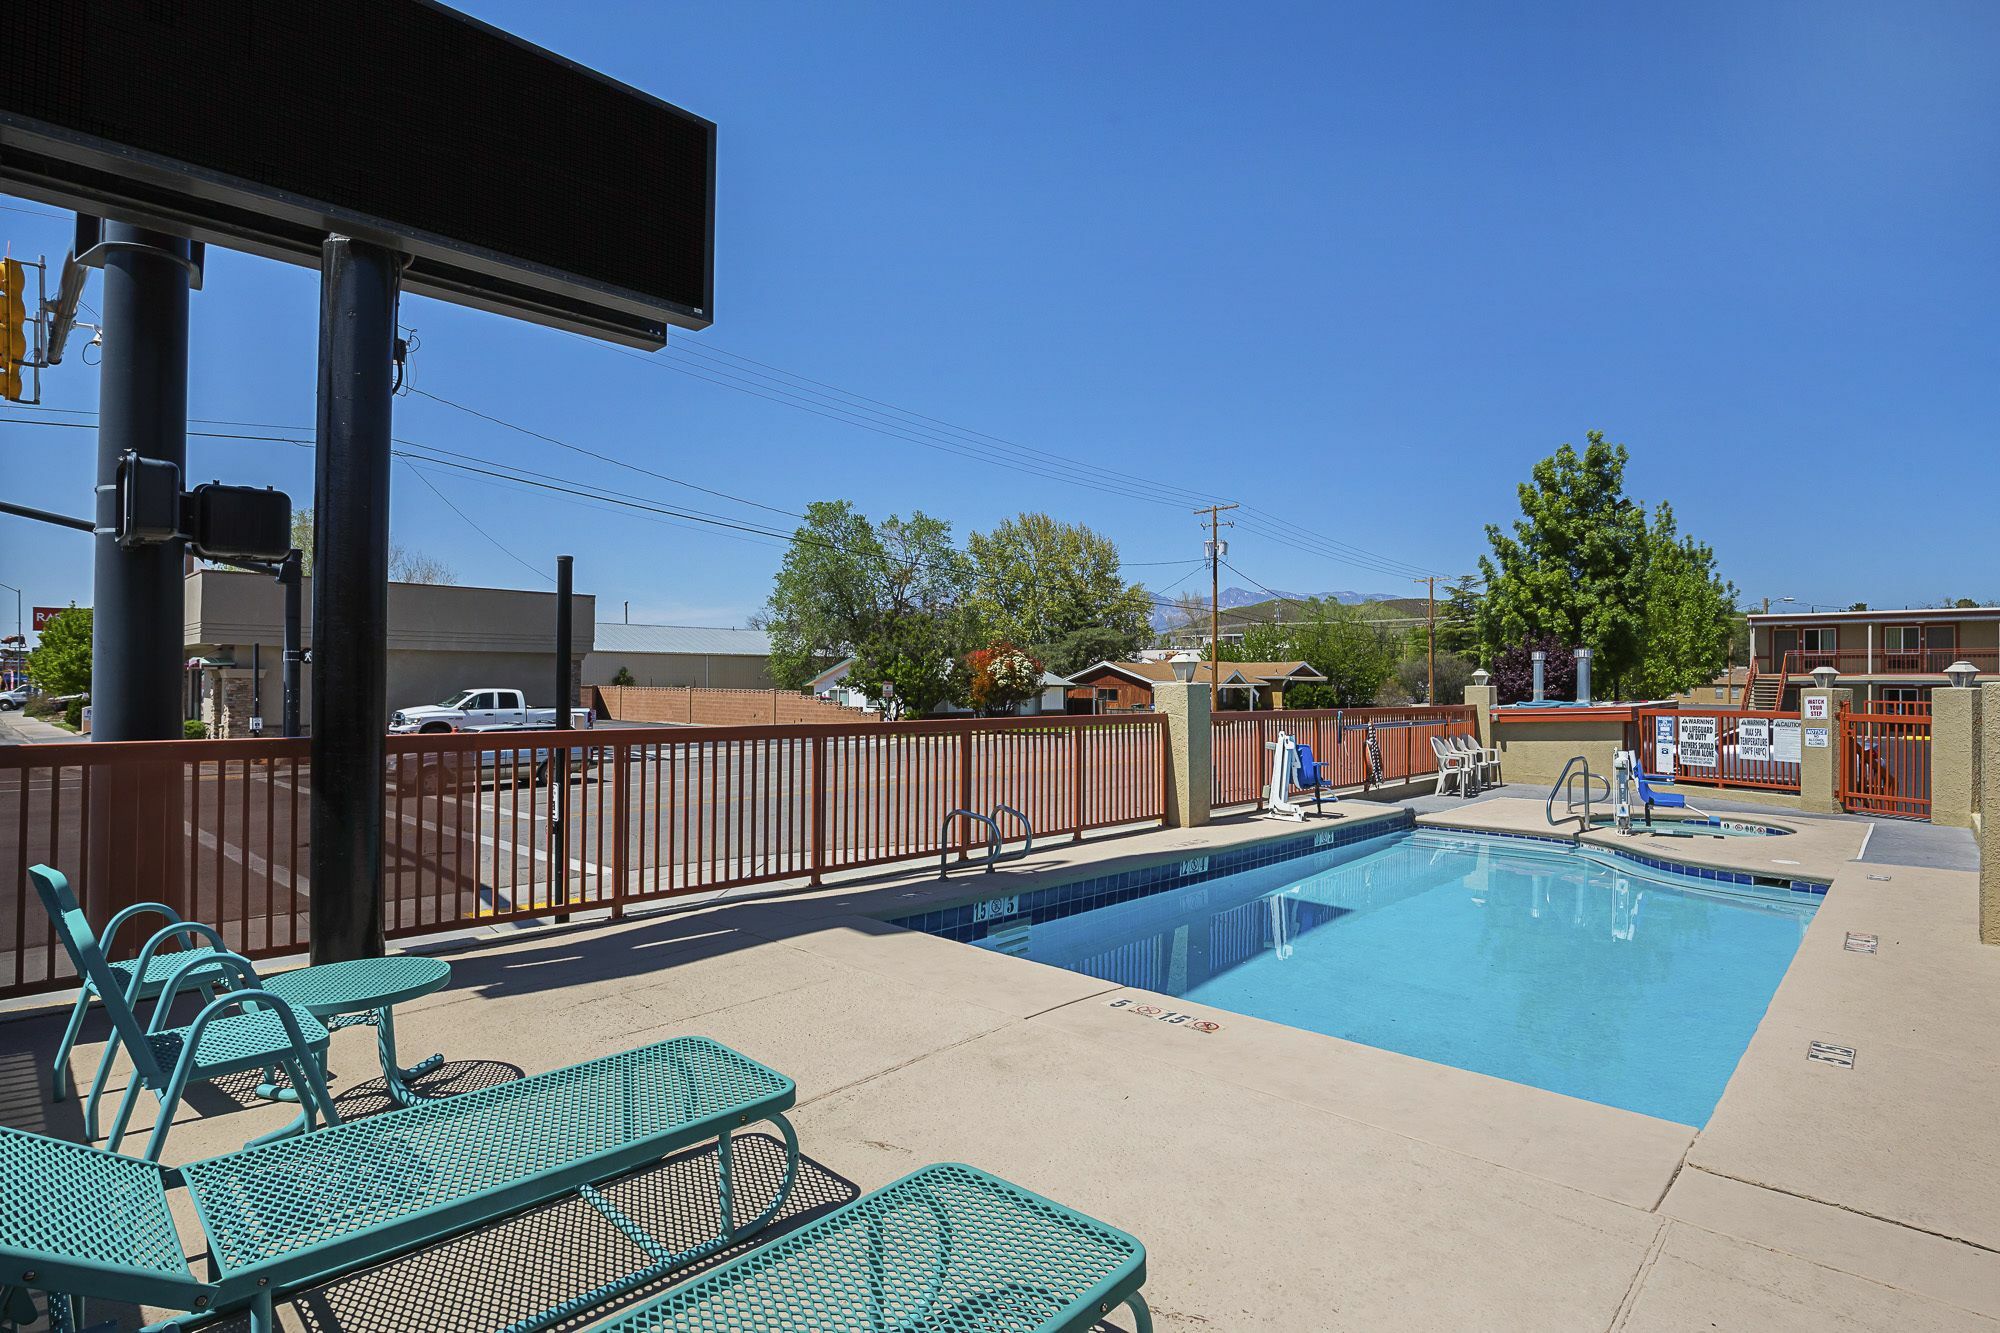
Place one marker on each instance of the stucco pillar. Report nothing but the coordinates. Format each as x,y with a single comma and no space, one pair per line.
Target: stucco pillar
1954,756
1190,766
1988,766
1482,699
1819,764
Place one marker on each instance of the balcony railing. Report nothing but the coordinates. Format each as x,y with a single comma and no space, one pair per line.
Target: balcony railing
1880,662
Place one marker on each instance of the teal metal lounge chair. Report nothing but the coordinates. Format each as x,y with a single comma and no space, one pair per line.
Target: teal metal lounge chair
161,965
293,1213
263,1032
947,1249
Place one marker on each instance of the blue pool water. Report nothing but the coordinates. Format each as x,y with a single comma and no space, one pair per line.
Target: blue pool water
1563,968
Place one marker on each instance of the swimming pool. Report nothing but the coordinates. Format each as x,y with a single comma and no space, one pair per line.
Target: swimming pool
1566,968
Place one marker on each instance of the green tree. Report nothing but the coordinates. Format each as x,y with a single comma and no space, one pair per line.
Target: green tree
891,595
1575,566
61,662
1458,616
1036,582
1337,641
1690,612
824,598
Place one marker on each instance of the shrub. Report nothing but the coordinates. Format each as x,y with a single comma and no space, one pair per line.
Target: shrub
194,729
73,715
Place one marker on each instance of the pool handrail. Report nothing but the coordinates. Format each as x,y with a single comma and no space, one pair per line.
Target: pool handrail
1565,787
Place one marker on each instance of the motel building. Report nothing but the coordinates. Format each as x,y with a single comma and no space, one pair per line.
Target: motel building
1891,657
1127,687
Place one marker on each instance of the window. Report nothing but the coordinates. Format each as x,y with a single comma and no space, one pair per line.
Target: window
1897,639
1819,639
1106,700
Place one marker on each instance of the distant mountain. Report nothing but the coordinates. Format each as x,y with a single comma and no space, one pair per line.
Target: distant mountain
1231,598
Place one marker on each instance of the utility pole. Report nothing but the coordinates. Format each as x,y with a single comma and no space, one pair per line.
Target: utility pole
135,660
1430,638
1215,526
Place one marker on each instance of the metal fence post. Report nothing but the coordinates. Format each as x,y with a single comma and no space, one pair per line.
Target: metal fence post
964,801
621,828
816,793
1076,782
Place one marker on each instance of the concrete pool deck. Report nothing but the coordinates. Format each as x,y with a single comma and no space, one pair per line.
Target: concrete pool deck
1280,1179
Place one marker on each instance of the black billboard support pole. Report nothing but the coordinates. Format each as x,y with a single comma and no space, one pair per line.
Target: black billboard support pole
136,650
357,332
559,750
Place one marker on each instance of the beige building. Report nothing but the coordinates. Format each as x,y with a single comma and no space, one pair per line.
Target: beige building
442,638
1886,656
717,659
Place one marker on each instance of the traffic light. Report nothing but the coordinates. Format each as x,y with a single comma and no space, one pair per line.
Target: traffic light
13,327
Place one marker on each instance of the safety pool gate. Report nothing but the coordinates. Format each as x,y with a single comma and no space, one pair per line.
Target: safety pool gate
1885,760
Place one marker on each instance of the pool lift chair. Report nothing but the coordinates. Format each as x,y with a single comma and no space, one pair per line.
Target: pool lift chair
1293,765
1666,800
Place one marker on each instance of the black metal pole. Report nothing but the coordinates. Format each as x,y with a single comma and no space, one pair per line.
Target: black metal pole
559,749
257,682
135,653
357,330
289,579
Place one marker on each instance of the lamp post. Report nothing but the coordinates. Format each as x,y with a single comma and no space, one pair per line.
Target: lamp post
20,639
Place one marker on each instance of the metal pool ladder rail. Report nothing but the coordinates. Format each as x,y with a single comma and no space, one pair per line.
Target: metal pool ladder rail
993,840
1566,788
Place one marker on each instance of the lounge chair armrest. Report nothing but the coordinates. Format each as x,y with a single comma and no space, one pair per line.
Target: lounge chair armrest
244,977
177,930
117,922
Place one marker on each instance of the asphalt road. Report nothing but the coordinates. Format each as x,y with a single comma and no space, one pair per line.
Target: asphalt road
237,852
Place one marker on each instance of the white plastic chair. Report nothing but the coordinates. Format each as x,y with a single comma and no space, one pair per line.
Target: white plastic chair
1453,766
1485,761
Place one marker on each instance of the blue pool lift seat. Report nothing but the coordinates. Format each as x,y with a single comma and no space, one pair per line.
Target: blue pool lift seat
1666,800
1315,777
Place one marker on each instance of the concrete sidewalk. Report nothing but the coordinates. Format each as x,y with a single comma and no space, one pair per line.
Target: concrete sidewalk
1281,1180
17,728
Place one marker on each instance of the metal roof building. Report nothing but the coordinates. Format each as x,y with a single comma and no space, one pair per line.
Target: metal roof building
681,655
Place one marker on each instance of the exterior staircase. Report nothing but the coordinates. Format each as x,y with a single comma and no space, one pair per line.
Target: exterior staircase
1764,693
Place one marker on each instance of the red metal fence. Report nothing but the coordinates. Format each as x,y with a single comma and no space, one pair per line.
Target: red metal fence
1885,762
220,830
1722,747
1338,738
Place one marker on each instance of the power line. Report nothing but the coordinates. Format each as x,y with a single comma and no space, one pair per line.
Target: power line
418,472
528,478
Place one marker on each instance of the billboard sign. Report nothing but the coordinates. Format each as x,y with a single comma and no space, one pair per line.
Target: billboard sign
511,178
43,615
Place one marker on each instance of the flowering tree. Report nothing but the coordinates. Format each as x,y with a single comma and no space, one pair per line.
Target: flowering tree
1001,676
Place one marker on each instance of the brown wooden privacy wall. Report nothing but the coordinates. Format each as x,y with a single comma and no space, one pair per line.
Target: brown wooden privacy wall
219,830
1338,738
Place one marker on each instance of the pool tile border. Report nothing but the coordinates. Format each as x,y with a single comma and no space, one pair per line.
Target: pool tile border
971,921
1747,880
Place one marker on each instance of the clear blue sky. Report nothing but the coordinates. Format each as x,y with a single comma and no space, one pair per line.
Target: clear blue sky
1359,266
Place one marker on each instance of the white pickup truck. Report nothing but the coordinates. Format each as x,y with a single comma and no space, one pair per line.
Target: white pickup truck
482,708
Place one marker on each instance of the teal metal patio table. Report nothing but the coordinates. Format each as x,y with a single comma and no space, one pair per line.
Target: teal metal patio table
364,993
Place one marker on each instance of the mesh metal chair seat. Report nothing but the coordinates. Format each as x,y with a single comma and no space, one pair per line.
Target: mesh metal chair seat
245,1027
288,1214
137,978
946,1249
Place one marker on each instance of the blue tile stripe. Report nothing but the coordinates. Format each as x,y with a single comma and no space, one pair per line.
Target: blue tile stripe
1683,868
964,924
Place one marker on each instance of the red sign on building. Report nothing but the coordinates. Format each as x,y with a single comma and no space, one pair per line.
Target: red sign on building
44,614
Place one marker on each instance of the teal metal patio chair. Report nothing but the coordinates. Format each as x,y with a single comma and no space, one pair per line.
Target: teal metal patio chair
946,1249
159,966
264,1032
278,1217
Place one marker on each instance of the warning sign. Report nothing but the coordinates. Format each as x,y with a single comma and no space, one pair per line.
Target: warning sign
1697,746
1753,739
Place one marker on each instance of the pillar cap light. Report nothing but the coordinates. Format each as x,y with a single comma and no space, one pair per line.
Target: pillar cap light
1481,676
1184,665
1961,674
1824,676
